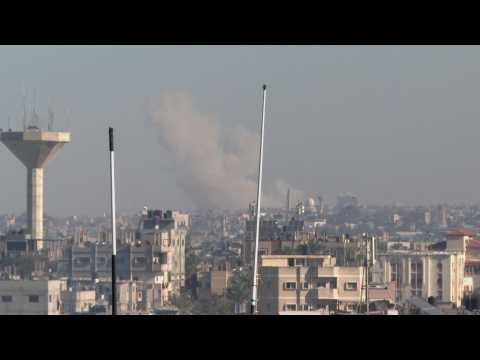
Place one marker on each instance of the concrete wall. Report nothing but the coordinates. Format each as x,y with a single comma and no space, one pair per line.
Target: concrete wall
31,297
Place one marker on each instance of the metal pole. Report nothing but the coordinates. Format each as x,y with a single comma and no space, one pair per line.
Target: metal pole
253,308
366,274
114,232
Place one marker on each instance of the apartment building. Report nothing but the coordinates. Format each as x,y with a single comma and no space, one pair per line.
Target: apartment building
424,274
167,230
274,239
307,283
31,297
215,280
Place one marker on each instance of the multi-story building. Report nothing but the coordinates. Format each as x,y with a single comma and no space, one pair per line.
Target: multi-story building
311,283
167,230
31,297
214,281
425,274
274,239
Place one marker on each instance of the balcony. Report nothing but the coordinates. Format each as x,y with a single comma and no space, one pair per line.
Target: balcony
323,294
327,271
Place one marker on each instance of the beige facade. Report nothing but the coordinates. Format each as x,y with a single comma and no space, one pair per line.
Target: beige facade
78,301
310,283
214,281
425,273
31,297
166,232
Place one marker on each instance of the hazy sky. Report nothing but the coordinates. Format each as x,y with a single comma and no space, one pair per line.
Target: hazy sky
386,123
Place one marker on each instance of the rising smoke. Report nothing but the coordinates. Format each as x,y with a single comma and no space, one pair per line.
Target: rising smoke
215,167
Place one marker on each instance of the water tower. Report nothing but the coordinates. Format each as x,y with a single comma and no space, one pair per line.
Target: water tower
34,148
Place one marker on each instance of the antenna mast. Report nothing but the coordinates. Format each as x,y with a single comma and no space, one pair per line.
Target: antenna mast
287,210
114,235
253,308
24,118
51,117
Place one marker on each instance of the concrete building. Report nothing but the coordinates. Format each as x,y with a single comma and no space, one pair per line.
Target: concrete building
214,281
78,301
274,239
34,148
310,283
167,230
31,297
425,273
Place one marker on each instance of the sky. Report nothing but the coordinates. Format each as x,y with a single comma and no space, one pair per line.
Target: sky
386,123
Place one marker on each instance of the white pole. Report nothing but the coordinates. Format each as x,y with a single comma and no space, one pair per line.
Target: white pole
253,308
114,230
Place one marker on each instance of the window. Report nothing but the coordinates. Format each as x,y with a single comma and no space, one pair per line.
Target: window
49,298
439,266
289,285
396,275
327,283
139,260
6,298
416,277
299,262
290,307
291,262
440,281
321,283
351,285
33,299
303,307
82,261
305,285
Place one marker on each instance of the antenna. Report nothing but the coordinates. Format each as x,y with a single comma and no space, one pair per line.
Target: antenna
287,212
253,308
114,235
24,106
51,117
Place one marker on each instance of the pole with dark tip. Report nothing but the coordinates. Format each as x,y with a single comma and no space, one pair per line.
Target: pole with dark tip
253,305
114,234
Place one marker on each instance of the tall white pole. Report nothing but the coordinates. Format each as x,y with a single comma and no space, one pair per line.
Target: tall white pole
114,229
253,308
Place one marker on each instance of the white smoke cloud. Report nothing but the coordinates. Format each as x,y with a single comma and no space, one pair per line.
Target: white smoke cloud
215,167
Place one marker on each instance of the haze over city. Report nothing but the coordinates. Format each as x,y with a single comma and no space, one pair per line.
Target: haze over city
390,123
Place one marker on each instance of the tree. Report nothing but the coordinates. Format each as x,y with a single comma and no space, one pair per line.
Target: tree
184,304
239,286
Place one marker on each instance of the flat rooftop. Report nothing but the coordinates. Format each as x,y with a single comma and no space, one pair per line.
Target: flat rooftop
35,135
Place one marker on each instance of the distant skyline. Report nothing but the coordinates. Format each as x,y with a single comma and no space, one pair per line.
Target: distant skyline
385,123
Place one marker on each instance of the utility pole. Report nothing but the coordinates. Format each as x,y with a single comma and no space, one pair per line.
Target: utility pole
253,307
366,272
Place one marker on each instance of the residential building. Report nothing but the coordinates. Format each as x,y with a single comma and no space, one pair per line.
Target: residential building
311,283
78,301
425,273
31,297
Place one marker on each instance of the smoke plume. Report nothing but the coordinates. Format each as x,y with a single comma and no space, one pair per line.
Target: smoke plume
215,167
